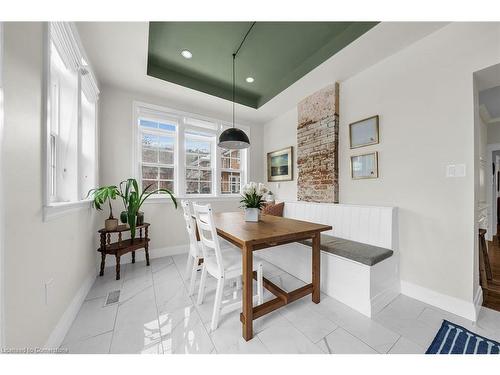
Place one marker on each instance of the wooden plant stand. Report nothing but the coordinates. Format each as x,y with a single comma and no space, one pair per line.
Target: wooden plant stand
122,246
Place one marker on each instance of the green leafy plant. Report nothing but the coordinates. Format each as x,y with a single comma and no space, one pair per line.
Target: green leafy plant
103,194
252,195
133,200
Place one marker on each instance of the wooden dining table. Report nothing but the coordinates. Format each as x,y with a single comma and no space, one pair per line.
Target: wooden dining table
268,232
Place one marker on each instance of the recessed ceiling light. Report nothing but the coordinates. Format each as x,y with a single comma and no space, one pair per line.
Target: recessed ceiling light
186,54
249,79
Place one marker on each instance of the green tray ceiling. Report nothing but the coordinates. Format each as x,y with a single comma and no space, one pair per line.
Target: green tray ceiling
276,54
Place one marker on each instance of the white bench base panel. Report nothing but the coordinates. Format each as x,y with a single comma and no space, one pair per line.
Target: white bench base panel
361,287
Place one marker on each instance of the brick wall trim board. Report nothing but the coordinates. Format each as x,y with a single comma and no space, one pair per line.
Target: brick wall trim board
317,146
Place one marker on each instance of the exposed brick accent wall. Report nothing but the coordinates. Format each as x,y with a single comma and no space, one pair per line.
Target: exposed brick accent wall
317,146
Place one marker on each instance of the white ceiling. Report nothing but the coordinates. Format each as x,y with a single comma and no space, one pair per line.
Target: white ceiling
118,54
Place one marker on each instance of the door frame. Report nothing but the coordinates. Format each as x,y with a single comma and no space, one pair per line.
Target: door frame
2,206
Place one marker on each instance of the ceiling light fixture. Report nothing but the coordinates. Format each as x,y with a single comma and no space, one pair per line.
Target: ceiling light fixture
186,54
250,79
234,138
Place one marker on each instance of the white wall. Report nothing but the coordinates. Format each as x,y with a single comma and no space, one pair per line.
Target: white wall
116,119
63,249
424,97
278,134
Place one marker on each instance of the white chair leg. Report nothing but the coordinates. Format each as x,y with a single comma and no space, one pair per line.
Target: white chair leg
217,304
260,286
194,270
188,265
203,279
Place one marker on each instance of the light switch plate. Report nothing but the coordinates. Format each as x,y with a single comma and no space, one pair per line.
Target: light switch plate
450,170
455,170
460,170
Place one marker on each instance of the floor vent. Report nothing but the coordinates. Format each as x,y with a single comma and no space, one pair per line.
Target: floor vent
113,297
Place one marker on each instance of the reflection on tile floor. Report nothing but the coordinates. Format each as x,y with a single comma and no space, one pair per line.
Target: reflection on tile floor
156,315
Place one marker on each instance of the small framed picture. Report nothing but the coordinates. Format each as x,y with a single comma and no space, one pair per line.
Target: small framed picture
280,165
364,132
364,166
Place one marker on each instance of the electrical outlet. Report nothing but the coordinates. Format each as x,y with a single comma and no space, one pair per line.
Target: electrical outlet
48,284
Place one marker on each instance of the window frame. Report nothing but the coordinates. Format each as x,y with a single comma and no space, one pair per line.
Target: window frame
52,208
186,122
158,132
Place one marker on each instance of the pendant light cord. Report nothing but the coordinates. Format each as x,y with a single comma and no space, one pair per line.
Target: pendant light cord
234,58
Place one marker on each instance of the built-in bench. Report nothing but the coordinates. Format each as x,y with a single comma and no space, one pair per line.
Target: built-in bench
356,251
359,257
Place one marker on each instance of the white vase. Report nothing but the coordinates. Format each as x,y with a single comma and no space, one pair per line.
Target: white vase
252,214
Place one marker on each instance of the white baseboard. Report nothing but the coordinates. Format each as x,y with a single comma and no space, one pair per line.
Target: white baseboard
61,329
140,255
451,304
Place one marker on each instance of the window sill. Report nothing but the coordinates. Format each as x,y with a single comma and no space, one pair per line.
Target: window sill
59,209
160,199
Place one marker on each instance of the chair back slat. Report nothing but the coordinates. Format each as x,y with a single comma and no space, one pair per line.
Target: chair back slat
209,239
194,248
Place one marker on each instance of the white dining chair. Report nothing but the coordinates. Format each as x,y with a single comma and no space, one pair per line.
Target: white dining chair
195,255
220,265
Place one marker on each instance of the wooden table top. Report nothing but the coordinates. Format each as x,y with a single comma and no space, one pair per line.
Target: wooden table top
270,228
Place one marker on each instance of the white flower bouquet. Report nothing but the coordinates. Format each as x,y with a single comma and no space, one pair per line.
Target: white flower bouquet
252,200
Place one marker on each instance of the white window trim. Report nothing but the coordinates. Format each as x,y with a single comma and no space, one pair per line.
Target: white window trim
179,171
52,210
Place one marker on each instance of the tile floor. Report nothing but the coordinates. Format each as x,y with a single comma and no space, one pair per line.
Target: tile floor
155,315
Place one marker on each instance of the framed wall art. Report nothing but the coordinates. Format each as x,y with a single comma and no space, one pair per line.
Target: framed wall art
364,132
280,165
364,166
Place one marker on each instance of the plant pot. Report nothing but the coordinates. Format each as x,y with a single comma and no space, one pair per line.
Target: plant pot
252,214
111,224
140,218
123,217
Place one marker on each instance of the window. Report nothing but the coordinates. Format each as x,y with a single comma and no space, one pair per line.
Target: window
199,163
178,151
158,140
72,94
231,171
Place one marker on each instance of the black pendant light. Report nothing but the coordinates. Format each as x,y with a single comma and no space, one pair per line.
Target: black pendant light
234,138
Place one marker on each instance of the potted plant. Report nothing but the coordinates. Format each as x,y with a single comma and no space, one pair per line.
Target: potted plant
252,200
99,197
133,200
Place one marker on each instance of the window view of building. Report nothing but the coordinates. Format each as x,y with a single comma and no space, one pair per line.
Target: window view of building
231,171
199,164
158,154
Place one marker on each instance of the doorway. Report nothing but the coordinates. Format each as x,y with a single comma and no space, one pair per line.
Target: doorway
487,122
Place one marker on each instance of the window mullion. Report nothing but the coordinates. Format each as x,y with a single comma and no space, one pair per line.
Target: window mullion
180,171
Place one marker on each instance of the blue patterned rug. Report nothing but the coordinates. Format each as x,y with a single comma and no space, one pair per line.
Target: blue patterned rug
454,339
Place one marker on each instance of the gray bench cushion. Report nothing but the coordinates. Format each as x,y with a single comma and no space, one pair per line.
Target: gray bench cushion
357,251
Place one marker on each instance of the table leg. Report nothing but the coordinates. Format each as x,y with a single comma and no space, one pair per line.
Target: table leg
146,246
103,253
117,267
103,263
133,256
247,257
316,268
